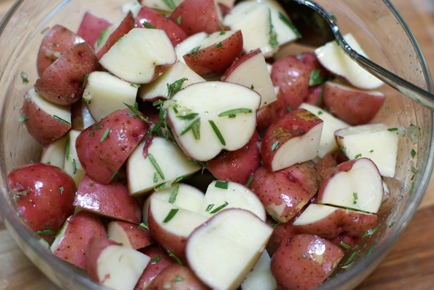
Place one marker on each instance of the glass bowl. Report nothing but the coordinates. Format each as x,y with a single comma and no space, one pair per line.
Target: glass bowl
379,29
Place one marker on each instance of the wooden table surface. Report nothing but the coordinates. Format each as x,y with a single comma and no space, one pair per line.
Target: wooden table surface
410,264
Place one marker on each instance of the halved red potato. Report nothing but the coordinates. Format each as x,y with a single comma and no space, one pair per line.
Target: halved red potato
105,146
58,40
325,165
71,241
128,234
284,193
72,164
216,53
80,115
91,27
280,231
329,221
112,265
189,44
355,184
112,34
158,21
292,139
355,107
140,56
163,5
304,261
176,277
44,195
260,277
111,200
54,153
197,16
238,165
62,82
45,121
270,113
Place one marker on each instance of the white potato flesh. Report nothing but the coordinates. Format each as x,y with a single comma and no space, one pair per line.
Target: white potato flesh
284,33
117,233
105,35
187,196
236,196
338,62
54,153
260,278
135,56
224,250
209,100
373,141
160,4
327,142
72,164
215,38
253,73
59,237
86,118
133,6
105,93
360,188
169,158
57,111
314,213
158,87
189,44
298,149
120,267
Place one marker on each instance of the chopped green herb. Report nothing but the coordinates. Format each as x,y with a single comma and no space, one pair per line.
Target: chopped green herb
190,116
355,197
319,113
24,119
136,113
234,112
155,164
252,87
369,251
170,4
91,184
220,207
276,220
413,153
315,78
103,33
155,260
74,166
288,108
160,186
410,192
178,20
333,16
171,214
195,127
222,184
86,101
143,225
219,45
387,109
171,254
174,87
194,50
303,256
173,195
147,25
167,286
61,229
392,224
392,129
96,127
344,245
44,232
177,279
274,146
223,32
289,24
321,96
343,151
414,170
369,232
273,36
357,156
119,39
371,151
104,136
113,176
49,162
24,76
62,190
68,141
412,178
135,86
209,207
347,262
84,80
249,180
60,119
217,132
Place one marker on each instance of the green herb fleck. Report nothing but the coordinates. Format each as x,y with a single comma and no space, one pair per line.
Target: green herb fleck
44,232
387,109
173,195
177,279
62,190
155,260
136,113
68,141
171,254
410,192
91,184
222,184
252,87
25,119
104,136
156,166
392,129
273,36
74,166
143,225
103,33
289,109
319,113
371,151
190,116
392,224
219,45
276,220
148,25
249,180
369,232
274,146
171,214
355,197
136,87
24,76
369,251
178,20
347,262
289,24
194,50
333,16
113,176
343,151
413,153
84,80
303,256
414,170
96,127
209,207
220,208
234,112
195,127
60,119
344,245
174,87
357,156
315,78
217,132
170,4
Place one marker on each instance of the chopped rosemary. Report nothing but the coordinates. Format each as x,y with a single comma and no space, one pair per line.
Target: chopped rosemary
273,36
289,24
148,25
414,170
289,109
219,45
170,4
60,119
222,184
321,96
371,151
209,207
220,207
173,195
369,232
103,33
136,113
190,116
274,146
392,224
178,279
343,151
410,192
276,220
194,50
104,136
113,176
392,129
413,153
303,256
234,112
249,180
170,215
178,20
156,166
194,127
143,225
24,76
68,141
24,119
136,86
96,127
344,245
174,87
357,156
347,262
84,81
44,232
62,190
355,197
315,78
74,166
155,260
333,16
217,132
171,254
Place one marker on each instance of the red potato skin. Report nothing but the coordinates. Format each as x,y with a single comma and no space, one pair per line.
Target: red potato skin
280,232
239,165
157,20
93,251
294,124
126,25
341,221
224,9
80,229
213,61
137,235
238,62
102,160
325,165
292,75
197,16
167,279
112,200
91,27
314,97
270,114
42,126
58,39
293,186
294,265
154,268
62,82
354,108
37,189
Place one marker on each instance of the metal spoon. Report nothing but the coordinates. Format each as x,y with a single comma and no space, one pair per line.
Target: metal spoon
318,27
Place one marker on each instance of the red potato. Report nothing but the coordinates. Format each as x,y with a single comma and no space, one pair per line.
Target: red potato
292,75
269,114
353,106
224,9
213,58
80,116
342,240
160,260
280,232
328,222
128,234
44,195
158,21
292,139
325,165
314,97
58,40
124,27
62,82
104,147
197,16
176,277
91,28
70,245
46,122
304,262
111,200
239,165
284,193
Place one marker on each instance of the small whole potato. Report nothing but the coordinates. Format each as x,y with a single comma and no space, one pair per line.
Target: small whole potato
177,277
